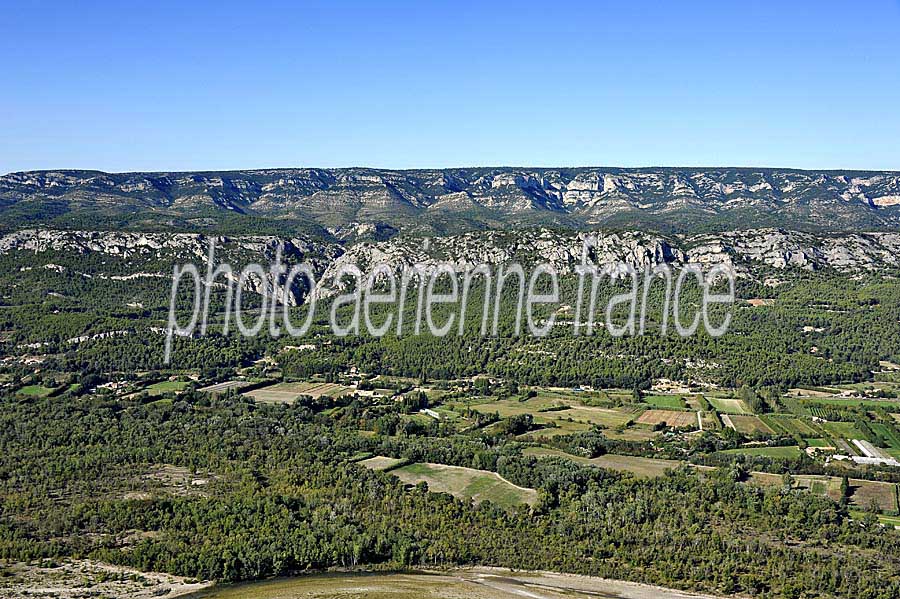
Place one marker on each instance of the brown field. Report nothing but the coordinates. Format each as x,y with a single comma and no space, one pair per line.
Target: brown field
289,392
865,492
749,425
670,417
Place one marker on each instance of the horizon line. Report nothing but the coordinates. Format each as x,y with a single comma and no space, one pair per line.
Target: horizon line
447,168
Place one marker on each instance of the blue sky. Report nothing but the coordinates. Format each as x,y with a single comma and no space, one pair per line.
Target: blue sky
191,85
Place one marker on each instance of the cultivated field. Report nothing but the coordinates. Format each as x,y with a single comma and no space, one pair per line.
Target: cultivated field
792,426
728,406
670,417
220,388
788,452
749,425
289,392
162,387
562,427
607,417
673,402
843,430
467,484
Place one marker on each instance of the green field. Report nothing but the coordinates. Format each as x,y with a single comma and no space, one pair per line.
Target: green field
162,387
818,442
888,432
669,402
467,484
789,452
889,520
843,430
35,391
887,404
562,427
728,406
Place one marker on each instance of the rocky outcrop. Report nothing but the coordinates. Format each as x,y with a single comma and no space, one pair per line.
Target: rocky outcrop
153,255
750,253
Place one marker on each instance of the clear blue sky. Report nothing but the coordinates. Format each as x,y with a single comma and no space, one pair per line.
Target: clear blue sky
190,85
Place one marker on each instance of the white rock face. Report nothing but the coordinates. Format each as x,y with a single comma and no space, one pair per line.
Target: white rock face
744,251
750,253
135,250
883,201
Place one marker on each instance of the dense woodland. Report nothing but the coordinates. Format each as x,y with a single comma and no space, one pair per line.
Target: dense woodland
285,498
851,324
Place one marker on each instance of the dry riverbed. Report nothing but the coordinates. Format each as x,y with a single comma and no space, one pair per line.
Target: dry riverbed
464,583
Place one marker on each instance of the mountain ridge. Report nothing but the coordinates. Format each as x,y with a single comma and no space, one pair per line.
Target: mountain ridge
675,199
